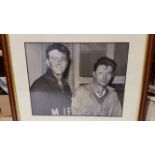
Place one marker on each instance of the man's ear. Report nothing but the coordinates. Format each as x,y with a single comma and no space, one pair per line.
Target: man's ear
47,63
112,75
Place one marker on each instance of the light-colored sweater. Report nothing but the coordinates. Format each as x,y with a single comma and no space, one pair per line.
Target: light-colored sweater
85,103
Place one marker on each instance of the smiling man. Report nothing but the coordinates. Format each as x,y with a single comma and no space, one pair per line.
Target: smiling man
50,93
98,98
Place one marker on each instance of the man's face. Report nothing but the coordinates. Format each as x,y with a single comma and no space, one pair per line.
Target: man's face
103,75
57,62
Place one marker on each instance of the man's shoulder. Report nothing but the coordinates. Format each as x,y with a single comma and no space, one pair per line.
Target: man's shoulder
81,90
111,89
112,92
39,83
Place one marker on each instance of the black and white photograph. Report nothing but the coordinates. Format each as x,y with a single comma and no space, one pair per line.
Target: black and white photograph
78,79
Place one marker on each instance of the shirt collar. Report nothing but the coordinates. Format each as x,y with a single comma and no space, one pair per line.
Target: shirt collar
96,91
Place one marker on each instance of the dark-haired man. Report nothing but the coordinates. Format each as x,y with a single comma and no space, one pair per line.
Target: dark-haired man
50,93
97,98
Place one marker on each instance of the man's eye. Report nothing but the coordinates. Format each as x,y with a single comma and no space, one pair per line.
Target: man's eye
53,58
63,59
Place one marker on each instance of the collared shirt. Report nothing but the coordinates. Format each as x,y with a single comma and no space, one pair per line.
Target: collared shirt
49,98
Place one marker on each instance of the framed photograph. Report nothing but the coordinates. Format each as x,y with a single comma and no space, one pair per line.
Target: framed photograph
76,77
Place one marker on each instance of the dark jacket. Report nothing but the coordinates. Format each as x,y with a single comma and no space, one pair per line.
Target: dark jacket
47,98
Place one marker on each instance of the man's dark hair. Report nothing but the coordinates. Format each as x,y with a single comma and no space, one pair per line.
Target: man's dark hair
58,46
105,61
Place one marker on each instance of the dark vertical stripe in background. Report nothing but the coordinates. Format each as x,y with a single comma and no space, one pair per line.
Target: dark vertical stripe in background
2,72
0,42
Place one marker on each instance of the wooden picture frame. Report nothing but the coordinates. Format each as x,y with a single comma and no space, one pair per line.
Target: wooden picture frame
17,113
146,77
9,77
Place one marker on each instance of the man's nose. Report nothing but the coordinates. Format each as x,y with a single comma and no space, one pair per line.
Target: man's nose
104,77
59,62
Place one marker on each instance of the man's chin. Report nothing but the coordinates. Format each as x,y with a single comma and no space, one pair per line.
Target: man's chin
103,84
58,73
